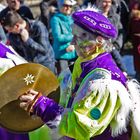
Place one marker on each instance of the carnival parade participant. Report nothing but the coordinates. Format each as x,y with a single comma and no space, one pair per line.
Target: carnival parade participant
8,59
103,99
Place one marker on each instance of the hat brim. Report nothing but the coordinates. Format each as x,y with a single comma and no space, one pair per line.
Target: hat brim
71,3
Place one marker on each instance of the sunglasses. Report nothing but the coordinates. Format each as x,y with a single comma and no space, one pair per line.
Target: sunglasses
65,5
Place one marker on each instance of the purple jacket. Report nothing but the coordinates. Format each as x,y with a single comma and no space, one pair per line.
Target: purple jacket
104,61
48,110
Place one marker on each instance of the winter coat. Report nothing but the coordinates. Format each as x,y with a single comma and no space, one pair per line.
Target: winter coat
62,36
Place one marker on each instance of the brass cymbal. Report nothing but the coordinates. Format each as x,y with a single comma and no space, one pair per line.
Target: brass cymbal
18,80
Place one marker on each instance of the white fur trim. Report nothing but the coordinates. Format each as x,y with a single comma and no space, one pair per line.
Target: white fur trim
134,89
121,119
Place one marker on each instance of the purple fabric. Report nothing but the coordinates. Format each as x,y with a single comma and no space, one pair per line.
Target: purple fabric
47,109
4,50
6,135
95,22
104,61
106,135
67,138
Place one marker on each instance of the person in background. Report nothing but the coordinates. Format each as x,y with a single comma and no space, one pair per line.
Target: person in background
105,6
121,7
80,2
62,35
48,8
29,38
3,37
134,34
22,1
15,5
2,6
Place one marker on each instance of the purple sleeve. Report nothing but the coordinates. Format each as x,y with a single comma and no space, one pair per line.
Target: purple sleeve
4,50
47,109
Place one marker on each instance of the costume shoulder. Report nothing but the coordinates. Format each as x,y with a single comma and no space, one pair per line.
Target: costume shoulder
98,103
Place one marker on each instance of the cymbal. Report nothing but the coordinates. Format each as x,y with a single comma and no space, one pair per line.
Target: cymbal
18,80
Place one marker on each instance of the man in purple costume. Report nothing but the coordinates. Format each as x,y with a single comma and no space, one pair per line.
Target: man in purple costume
100,105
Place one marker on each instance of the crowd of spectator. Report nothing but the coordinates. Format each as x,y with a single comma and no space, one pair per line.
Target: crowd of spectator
124,14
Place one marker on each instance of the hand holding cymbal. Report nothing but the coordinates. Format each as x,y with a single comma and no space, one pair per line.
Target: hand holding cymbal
16,84
28,99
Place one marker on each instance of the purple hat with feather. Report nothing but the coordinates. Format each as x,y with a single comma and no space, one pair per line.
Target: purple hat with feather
94,21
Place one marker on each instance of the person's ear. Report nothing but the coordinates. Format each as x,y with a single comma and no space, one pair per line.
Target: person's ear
100,40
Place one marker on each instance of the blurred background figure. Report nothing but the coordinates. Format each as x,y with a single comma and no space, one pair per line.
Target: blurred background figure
121,7
61,22
22,1
134,34
105,6
15,5
2,6
48,8
3,37
29,38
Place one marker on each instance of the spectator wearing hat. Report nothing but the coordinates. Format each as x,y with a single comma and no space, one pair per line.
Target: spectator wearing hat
62,35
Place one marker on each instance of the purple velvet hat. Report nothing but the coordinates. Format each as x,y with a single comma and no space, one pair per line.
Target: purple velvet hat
94,22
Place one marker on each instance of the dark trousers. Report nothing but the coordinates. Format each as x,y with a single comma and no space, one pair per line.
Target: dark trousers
63,64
